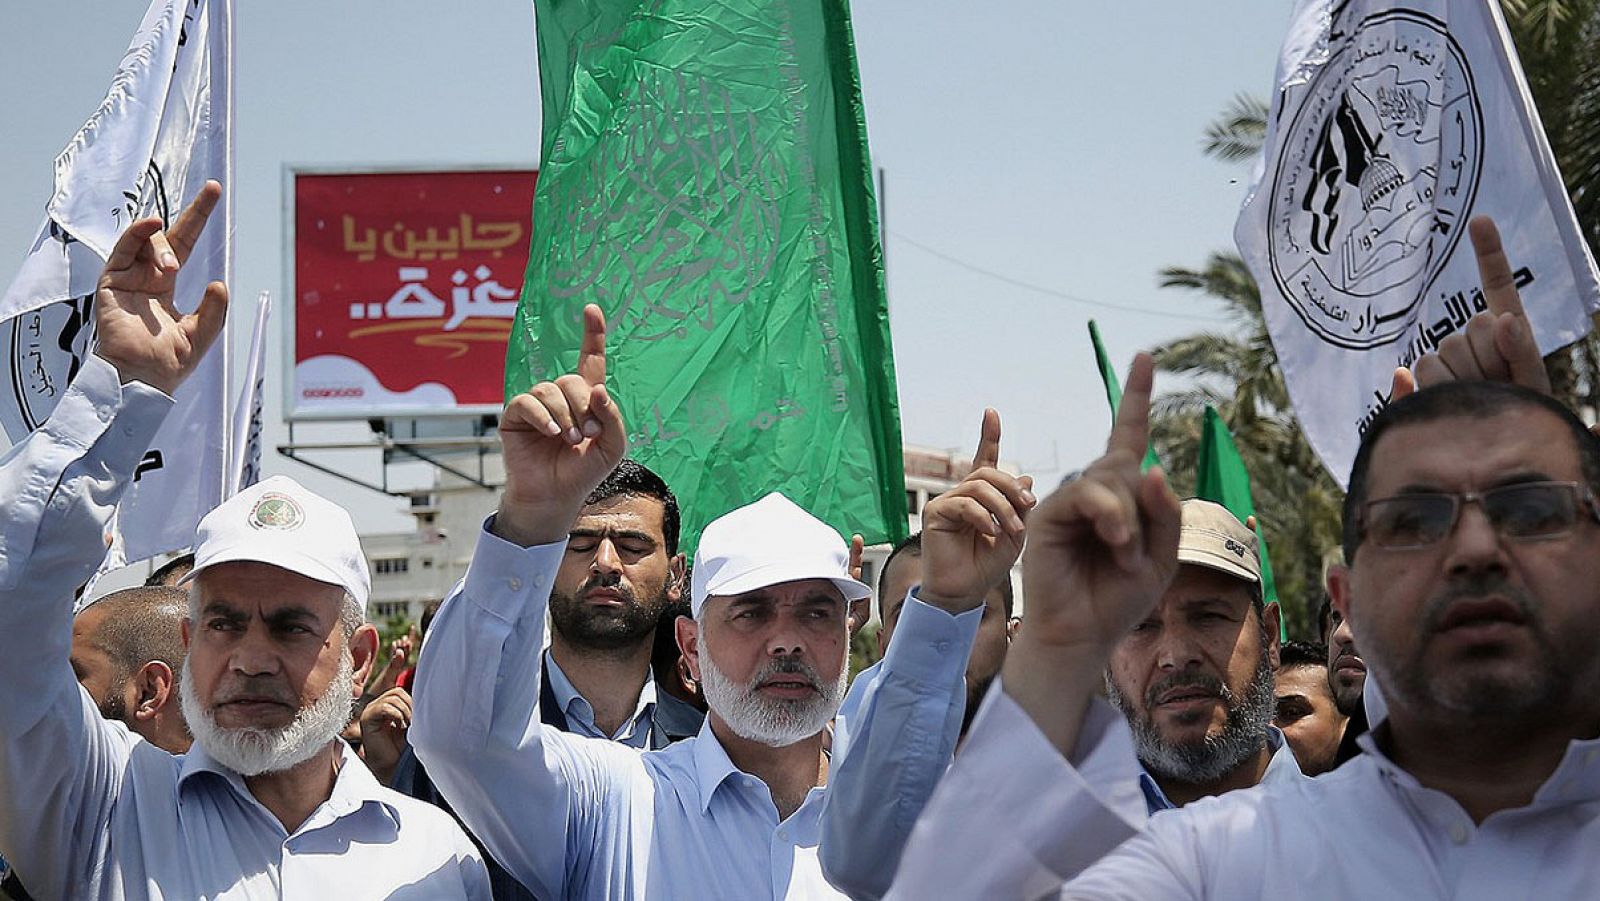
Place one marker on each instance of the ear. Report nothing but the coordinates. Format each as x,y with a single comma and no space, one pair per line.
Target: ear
882,645
183,632
1272,621
155,683
363,651
1012,625
688,634
676,587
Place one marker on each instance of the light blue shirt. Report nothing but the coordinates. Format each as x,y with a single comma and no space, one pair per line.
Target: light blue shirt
88,810
576,817
850,711
635,733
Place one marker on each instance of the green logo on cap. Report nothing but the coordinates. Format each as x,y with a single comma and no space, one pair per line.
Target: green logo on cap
276,511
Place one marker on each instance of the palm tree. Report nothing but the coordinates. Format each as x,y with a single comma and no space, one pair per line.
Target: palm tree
1237,372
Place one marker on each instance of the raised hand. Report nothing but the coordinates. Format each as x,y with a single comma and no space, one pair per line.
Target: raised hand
1102,551
139,329
559,440
1497,344
1104,547
384,726
860,610
973,533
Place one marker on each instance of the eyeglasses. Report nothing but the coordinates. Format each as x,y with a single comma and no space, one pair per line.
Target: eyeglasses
1523,511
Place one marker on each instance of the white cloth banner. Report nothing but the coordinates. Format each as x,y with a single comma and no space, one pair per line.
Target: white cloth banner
247,417
162,130
1393,124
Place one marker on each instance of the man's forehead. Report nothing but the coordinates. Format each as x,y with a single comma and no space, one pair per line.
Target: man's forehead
261,586
798,591
1454,452
1196,584
634,512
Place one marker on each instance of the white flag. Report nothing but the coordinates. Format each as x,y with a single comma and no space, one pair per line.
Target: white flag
162,130
1394,123
246,470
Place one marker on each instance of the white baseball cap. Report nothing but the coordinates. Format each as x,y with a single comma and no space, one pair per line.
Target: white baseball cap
279,522
766,543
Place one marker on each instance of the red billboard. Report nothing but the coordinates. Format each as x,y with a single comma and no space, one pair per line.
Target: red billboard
405,286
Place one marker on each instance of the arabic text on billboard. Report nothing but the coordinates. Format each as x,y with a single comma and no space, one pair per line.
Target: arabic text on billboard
405,287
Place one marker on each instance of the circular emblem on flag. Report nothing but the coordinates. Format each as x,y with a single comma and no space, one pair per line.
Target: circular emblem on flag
1375,179
276,511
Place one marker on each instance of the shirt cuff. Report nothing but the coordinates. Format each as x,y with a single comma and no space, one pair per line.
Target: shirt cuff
505,578
930,644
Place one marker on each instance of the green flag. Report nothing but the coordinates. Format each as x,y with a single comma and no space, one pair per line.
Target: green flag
1221,477
705,181
1114,389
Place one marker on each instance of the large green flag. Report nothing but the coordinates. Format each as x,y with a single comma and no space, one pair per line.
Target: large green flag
705,181
1114,388
1221,476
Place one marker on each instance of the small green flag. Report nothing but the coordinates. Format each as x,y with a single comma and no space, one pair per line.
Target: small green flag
705,180
1114,389
1221,477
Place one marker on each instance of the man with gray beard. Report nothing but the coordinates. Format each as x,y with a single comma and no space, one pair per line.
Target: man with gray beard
734,812
268,803
1195,677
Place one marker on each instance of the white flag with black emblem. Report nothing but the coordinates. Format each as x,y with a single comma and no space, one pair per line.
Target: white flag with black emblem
1393,124
163,128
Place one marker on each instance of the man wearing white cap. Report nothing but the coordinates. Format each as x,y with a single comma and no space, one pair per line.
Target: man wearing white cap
735,811
268,803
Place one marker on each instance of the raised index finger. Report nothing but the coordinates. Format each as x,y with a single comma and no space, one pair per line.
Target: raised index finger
1131,430
988,453
592,353
192,221
1494,269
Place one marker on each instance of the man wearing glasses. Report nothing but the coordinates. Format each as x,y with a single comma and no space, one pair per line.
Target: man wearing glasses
1473,539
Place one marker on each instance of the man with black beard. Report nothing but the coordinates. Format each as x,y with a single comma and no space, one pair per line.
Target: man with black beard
1194,678
621,570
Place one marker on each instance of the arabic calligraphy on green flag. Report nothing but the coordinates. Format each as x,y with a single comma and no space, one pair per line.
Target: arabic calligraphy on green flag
705,181
1221,476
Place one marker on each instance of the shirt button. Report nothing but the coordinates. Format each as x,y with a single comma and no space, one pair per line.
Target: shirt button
943,645
1458,834
514,584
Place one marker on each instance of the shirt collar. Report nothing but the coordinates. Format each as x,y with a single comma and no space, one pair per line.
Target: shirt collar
576,707
712,766
354,788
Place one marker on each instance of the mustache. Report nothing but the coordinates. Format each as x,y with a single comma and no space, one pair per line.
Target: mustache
1476,586
787,666
610,581
1203,681
256,688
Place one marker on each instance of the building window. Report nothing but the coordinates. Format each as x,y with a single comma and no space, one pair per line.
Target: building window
866,571
385,566
912,507
386,610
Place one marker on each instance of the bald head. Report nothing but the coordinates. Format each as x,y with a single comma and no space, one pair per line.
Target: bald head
127,652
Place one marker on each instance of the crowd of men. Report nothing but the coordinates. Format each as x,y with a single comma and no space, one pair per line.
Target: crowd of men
689,731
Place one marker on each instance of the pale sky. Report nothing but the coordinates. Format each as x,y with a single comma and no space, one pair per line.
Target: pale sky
1057,143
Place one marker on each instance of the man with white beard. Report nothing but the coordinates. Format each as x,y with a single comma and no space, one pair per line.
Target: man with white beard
734,812
268,803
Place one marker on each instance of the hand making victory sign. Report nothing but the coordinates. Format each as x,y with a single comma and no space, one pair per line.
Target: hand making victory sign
138,328
973,533
560,439
1102,551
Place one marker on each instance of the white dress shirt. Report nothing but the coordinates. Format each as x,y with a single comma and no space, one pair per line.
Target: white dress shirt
577,817
1365,830
88,810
